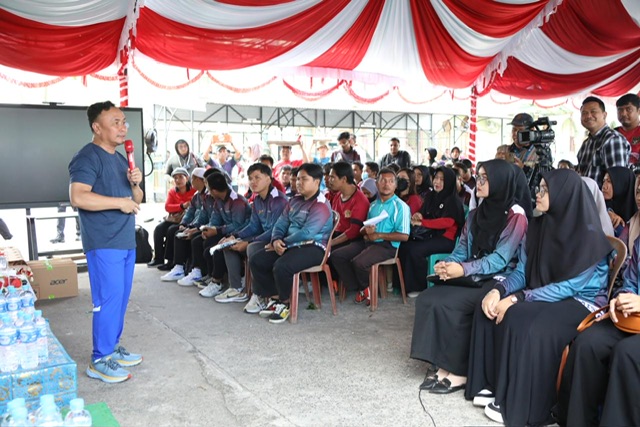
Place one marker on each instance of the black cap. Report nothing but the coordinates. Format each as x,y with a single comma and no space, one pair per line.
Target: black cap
522,119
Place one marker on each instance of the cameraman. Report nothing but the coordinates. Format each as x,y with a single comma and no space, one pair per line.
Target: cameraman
524,155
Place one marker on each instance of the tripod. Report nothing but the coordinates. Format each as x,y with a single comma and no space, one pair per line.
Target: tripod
544,164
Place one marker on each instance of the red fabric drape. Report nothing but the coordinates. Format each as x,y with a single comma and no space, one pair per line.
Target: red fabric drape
55,50
186,46
444,63
351,48
518,80
254,2
493,18
593,28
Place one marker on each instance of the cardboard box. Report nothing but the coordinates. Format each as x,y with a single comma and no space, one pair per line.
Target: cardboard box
58,376
13,255
55,278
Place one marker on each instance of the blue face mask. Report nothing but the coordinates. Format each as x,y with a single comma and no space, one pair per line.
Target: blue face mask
365,175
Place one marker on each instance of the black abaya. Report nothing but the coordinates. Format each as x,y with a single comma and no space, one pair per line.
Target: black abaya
523,354
621,406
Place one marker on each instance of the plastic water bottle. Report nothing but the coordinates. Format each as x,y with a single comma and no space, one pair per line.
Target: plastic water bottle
27,300
9,350
19,417
28,341
46,400
49,416
42,340
77,416
13,303
11,406
3,303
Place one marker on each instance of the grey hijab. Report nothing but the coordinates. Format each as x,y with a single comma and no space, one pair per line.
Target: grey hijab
607,227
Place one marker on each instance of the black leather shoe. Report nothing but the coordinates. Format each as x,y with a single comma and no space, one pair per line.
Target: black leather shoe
155,263
444,387
429,382
165,267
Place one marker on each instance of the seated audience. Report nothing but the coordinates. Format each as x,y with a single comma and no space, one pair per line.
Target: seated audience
298,241
329,194
353,261
619,195
350,203
526,320
371,169
178,201
566,164
601,206
434,230
466,174
602,367
406,190
370,189
395,155
285,177
346,152
267,207
487,247
357,172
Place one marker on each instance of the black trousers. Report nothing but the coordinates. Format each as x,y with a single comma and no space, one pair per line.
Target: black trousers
200,255
621,406
354,261
160,237
169,244
272,274
413,256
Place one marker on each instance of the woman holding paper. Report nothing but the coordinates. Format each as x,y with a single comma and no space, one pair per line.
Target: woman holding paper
487,247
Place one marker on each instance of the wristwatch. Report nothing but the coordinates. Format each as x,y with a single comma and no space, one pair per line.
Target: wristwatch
514,299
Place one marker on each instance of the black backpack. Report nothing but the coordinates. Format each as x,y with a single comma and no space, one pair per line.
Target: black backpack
144,253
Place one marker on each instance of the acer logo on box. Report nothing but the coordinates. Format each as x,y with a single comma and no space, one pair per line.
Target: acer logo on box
55,278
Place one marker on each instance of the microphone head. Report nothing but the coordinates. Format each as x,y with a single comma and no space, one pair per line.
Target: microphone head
128,146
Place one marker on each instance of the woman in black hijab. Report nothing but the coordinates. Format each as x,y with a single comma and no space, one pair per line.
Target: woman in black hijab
525,321
487,247
434,230
618,189
423,180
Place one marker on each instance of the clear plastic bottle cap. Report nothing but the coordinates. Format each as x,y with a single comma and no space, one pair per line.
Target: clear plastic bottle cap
77,404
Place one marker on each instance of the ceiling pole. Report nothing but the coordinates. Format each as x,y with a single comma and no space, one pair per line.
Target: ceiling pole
472,125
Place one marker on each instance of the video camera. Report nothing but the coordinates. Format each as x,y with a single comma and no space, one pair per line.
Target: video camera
539,132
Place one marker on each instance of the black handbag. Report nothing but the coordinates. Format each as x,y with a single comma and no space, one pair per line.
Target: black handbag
418,232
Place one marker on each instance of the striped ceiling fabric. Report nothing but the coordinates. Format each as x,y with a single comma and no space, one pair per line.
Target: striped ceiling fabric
525,48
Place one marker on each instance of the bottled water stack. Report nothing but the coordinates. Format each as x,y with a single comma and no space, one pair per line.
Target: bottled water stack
42,340
28,343
9,346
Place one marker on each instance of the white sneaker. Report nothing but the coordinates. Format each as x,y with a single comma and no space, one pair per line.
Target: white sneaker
232,295
255,305
493,412
211,290
483,398
413,294
176,273
390,287
190,279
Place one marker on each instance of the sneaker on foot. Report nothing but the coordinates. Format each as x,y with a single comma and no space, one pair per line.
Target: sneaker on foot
107,370
203,282
124,358
414,294
280,313
255,305
211,290
176,273
165,267
58,239
493,412
189,279
268,310
483,398
232,295
363,296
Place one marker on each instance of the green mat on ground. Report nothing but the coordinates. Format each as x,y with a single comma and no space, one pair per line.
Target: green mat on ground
101,415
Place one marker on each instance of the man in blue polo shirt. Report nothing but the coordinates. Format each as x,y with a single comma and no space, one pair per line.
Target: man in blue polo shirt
107,195
380,240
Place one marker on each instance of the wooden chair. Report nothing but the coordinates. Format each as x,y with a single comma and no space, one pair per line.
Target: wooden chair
375,279
315,279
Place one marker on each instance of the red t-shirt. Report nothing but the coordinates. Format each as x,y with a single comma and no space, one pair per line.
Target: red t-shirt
414,201
633,136
352,213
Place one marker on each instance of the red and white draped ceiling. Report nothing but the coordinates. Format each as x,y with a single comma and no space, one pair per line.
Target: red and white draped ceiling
530,49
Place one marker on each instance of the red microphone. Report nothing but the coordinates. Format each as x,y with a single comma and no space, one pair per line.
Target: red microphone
128,147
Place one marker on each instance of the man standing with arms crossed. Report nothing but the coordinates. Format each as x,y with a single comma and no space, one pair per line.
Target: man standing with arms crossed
107,195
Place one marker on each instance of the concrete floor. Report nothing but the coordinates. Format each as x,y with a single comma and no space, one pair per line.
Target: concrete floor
210,364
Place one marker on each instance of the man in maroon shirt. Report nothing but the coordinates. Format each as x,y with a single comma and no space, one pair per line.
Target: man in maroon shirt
349,201
629,116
